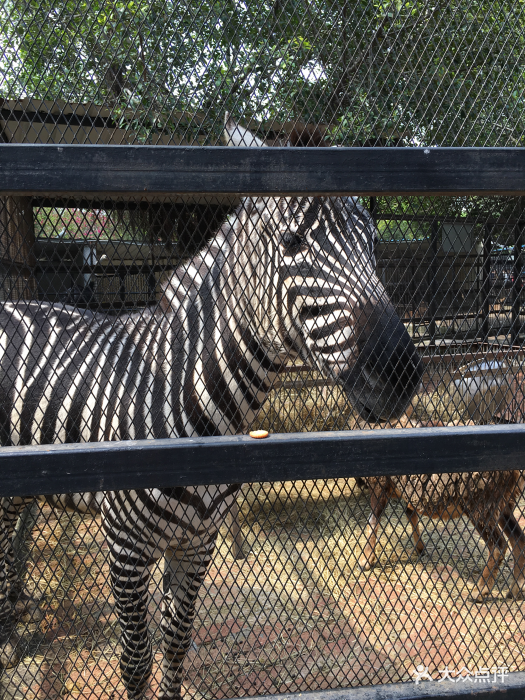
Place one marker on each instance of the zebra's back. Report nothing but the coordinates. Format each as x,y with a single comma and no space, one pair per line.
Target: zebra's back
73,376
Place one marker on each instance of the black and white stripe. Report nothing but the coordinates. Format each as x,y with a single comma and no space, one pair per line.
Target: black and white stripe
284,278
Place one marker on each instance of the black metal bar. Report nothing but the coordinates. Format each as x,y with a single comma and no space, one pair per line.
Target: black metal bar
33,470
130,201
150,277
122,284
517,267
150,170
120,269
432,281
46,117
487,253
511,687
373,208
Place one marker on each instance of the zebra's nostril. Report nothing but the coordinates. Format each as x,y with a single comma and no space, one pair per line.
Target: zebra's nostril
405,372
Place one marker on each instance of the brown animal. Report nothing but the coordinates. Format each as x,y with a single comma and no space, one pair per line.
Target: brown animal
488,499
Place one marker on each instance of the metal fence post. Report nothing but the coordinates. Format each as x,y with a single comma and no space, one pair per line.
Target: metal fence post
516,285
122,284
432,280
236,532
373,208
487,252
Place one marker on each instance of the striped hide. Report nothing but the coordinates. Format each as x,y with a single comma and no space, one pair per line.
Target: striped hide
283,278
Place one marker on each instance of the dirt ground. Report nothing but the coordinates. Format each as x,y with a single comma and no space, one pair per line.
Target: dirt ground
295,614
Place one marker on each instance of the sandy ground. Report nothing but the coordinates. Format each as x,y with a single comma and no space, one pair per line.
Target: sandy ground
295,614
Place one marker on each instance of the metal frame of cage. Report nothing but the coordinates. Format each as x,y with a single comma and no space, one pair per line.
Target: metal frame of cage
105,171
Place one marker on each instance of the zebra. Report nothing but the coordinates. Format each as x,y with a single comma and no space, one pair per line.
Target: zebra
283,278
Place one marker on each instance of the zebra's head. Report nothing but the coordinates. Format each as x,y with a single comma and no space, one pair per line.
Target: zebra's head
309,288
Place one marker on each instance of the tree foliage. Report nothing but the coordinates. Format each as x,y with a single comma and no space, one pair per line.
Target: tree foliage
375,72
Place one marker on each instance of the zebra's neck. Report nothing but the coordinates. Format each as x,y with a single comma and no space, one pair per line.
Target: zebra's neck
227,362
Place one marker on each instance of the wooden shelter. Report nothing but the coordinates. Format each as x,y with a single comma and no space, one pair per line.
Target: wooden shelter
188,220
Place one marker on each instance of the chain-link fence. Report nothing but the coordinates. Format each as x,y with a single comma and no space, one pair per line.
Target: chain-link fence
141,312
367,73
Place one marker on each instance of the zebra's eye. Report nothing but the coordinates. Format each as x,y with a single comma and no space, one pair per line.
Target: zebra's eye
292,242
310,311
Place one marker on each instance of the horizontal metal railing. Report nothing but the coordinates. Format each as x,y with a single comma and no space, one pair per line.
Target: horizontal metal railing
99,466
150,170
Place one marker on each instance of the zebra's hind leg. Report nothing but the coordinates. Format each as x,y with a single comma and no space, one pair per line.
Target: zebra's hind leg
10,510
24,602
129,577
8,637
184,571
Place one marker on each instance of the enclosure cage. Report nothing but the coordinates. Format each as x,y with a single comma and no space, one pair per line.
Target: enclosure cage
262,349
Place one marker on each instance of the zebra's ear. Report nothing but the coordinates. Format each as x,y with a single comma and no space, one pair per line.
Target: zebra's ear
237,135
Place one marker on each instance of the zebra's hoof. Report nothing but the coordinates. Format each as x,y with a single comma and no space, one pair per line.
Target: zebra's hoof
365,563
516,592
480,594
9,652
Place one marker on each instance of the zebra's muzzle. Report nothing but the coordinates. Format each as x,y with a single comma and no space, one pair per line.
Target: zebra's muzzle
388,369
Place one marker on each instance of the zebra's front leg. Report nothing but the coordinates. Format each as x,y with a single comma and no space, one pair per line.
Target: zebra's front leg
10,510
184,571
129,577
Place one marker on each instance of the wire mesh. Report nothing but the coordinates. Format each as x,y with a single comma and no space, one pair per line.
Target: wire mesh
142,317
367,73
311,585
295,613
451,267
